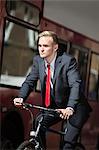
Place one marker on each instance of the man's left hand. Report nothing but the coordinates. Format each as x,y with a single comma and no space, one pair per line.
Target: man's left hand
66,113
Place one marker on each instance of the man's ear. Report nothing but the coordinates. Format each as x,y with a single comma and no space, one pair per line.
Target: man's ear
56,47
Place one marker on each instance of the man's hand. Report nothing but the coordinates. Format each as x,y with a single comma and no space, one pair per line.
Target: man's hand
18,101
66,113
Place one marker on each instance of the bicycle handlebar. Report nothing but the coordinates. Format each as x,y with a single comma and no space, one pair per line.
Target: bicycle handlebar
27,105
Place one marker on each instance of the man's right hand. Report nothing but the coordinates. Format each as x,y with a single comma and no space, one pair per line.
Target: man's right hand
18,101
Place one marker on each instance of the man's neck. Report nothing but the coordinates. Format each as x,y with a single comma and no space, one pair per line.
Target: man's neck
50,59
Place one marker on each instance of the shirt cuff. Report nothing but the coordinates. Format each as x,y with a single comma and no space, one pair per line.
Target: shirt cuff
71,108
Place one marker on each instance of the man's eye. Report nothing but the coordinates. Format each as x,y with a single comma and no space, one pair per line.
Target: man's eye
39,45
42,45
45,45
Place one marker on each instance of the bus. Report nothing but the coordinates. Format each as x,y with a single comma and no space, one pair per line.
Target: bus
19,27
20,23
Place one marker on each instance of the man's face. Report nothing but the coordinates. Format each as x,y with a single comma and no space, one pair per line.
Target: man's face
47,48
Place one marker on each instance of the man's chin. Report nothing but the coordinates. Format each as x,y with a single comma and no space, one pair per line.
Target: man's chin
42,56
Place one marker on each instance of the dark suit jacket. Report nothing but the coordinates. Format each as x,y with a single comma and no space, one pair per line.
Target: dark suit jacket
66,86
66,80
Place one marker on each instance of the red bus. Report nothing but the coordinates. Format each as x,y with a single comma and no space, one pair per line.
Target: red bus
20,23
19,27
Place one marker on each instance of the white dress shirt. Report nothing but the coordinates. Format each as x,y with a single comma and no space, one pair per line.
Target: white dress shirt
52,67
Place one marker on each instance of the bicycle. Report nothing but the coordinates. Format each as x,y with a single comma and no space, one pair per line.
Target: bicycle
33,143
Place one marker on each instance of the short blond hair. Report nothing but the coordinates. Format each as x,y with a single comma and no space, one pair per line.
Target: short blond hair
50,34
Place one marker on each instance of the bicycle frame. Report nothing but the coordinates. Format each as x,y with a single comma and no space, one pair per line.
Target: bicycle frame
27,105
34,134
34,143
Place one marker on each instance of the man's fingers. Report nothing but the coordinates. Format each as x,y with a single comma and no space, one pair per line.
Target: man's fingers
65,113
18,101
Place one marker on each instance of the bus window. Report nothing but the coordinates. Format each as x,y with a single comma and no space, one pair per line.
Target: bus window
62,46
23,11
18,52
93,91
81,55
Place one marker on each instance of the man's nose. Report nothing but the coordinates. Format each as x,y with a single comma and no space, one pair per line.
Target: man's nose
42,48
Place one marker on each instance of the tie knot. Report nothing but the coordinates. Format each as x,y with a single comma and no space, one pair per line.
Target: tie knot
48,65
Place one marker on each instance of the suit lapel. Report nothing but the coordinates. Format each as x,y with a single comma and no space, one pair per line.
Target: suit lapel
42,70
58,66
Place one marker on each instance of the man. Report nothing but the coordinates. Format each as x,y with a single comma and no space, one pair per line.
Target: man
64,89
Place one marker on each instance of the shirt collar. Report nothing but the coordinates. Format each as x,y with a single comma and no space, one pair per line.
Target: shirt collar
52,63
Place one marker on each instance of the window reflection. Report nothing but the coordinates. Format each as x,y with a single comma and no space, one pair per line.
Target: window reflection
19,50
81,55
94,78
23,11
17,35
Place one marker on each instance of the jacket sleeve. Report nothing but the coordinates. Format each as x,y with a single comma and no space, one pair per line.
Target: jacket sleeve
31,80
74,83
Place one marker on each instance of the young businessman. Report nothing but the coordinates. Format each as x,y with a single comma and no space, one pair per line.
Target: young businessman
60,89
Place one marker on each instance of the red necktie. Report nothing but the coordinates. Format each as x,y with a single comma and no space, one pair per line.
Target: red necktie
47,96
